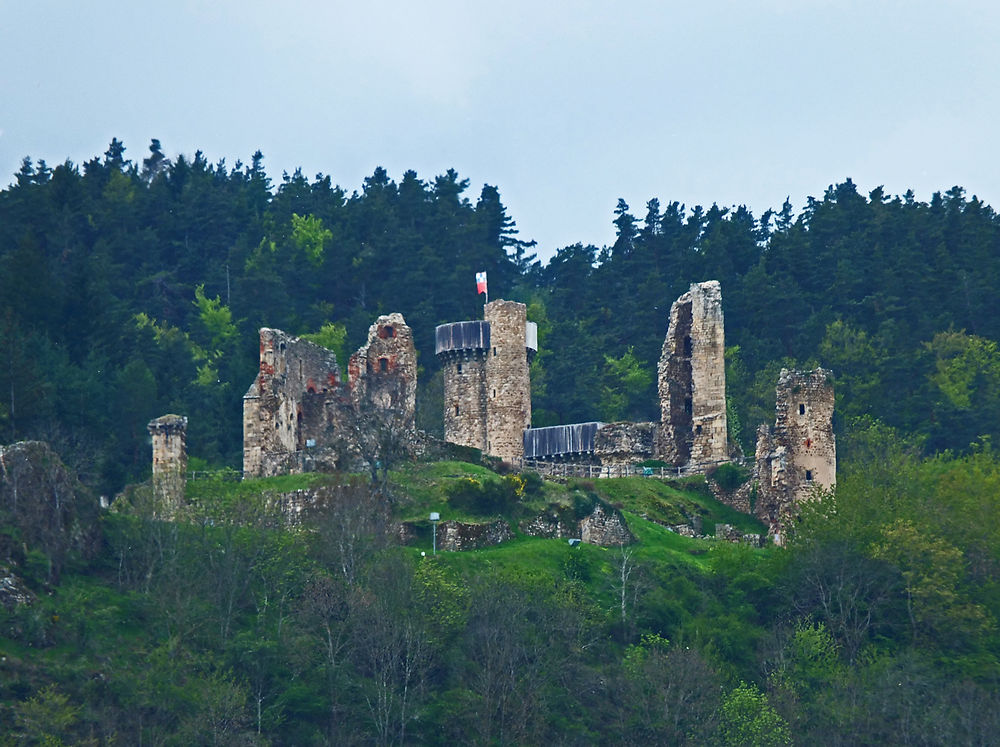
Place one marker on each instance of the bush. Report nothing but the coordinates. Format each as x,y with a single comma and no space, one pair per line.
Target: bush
533,484
488,497
728,476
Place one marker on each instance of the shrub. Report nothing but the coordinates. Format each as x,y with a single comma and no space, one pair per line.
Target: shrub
486,498
729,476
533,484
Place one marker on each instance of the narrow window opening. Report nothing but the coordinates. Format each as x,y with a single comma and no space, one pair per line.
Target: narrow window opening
697,429
460,368
809,475
383,364
494,394
281,347
456,410
802,409
494,352
687,346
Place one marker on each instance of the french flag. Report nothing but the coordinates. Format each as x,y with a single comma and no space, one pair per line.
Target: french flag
480,282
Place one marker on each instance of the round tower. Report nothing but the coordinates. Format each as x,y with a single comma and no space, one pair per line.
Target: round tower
461,347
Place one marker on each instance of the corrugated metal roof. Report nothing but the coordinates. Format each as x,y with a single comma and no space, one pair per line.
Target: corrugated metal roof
461,336
557,440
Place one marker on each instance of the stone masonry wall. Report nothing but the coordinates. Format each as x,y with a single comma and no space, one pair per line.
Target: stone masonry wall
299,414
800,453
508,386
624,443
169,436
383,372
464,373
273,419
692,380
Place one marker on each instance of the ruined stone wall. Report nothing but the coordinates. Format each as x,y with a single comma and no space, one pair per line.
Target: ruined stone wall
274,422
799,454
624,443
508,385
692,380
298,414
383,372
169,436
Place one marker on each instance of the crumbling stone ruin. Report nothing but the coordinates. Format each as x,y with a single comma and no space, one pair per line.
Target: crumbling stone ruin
692,432
383,372
799,454
487,390
691,378
299,414
620,444
169,435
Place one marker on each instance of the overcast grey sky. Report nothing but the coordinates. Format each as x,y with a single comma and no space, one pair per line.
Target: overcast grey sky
564,106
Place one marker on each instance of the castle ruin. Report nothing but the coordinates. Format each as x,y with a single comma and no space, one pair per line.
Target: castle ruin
487,389
691,379
692,432
299,414
169,436
798,456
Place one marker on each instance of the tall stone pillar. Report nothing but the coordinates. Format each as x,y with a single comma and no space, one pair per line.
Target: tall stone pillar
169,434
692,380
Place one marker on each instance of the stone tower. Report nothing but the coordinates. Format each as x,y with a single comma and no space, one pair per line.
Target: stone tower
487,388
461,347
692,380
800,453
169,434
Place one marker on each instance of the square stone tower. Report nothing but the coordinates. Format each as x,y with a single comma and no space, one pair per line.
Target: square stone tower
692,380
799,454
508,384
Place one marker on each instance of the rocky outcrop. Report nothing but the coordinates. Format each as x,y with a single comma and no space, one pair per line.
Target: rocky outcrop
459,535
47,506
605,527
13,592
602,525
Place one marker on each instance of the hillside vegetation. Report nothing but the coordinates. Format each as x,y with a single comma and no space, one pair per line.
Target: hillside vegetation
878,623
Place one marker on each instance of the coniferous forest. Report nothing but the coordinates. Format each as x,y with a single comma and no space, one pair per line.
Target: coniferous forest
134,287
